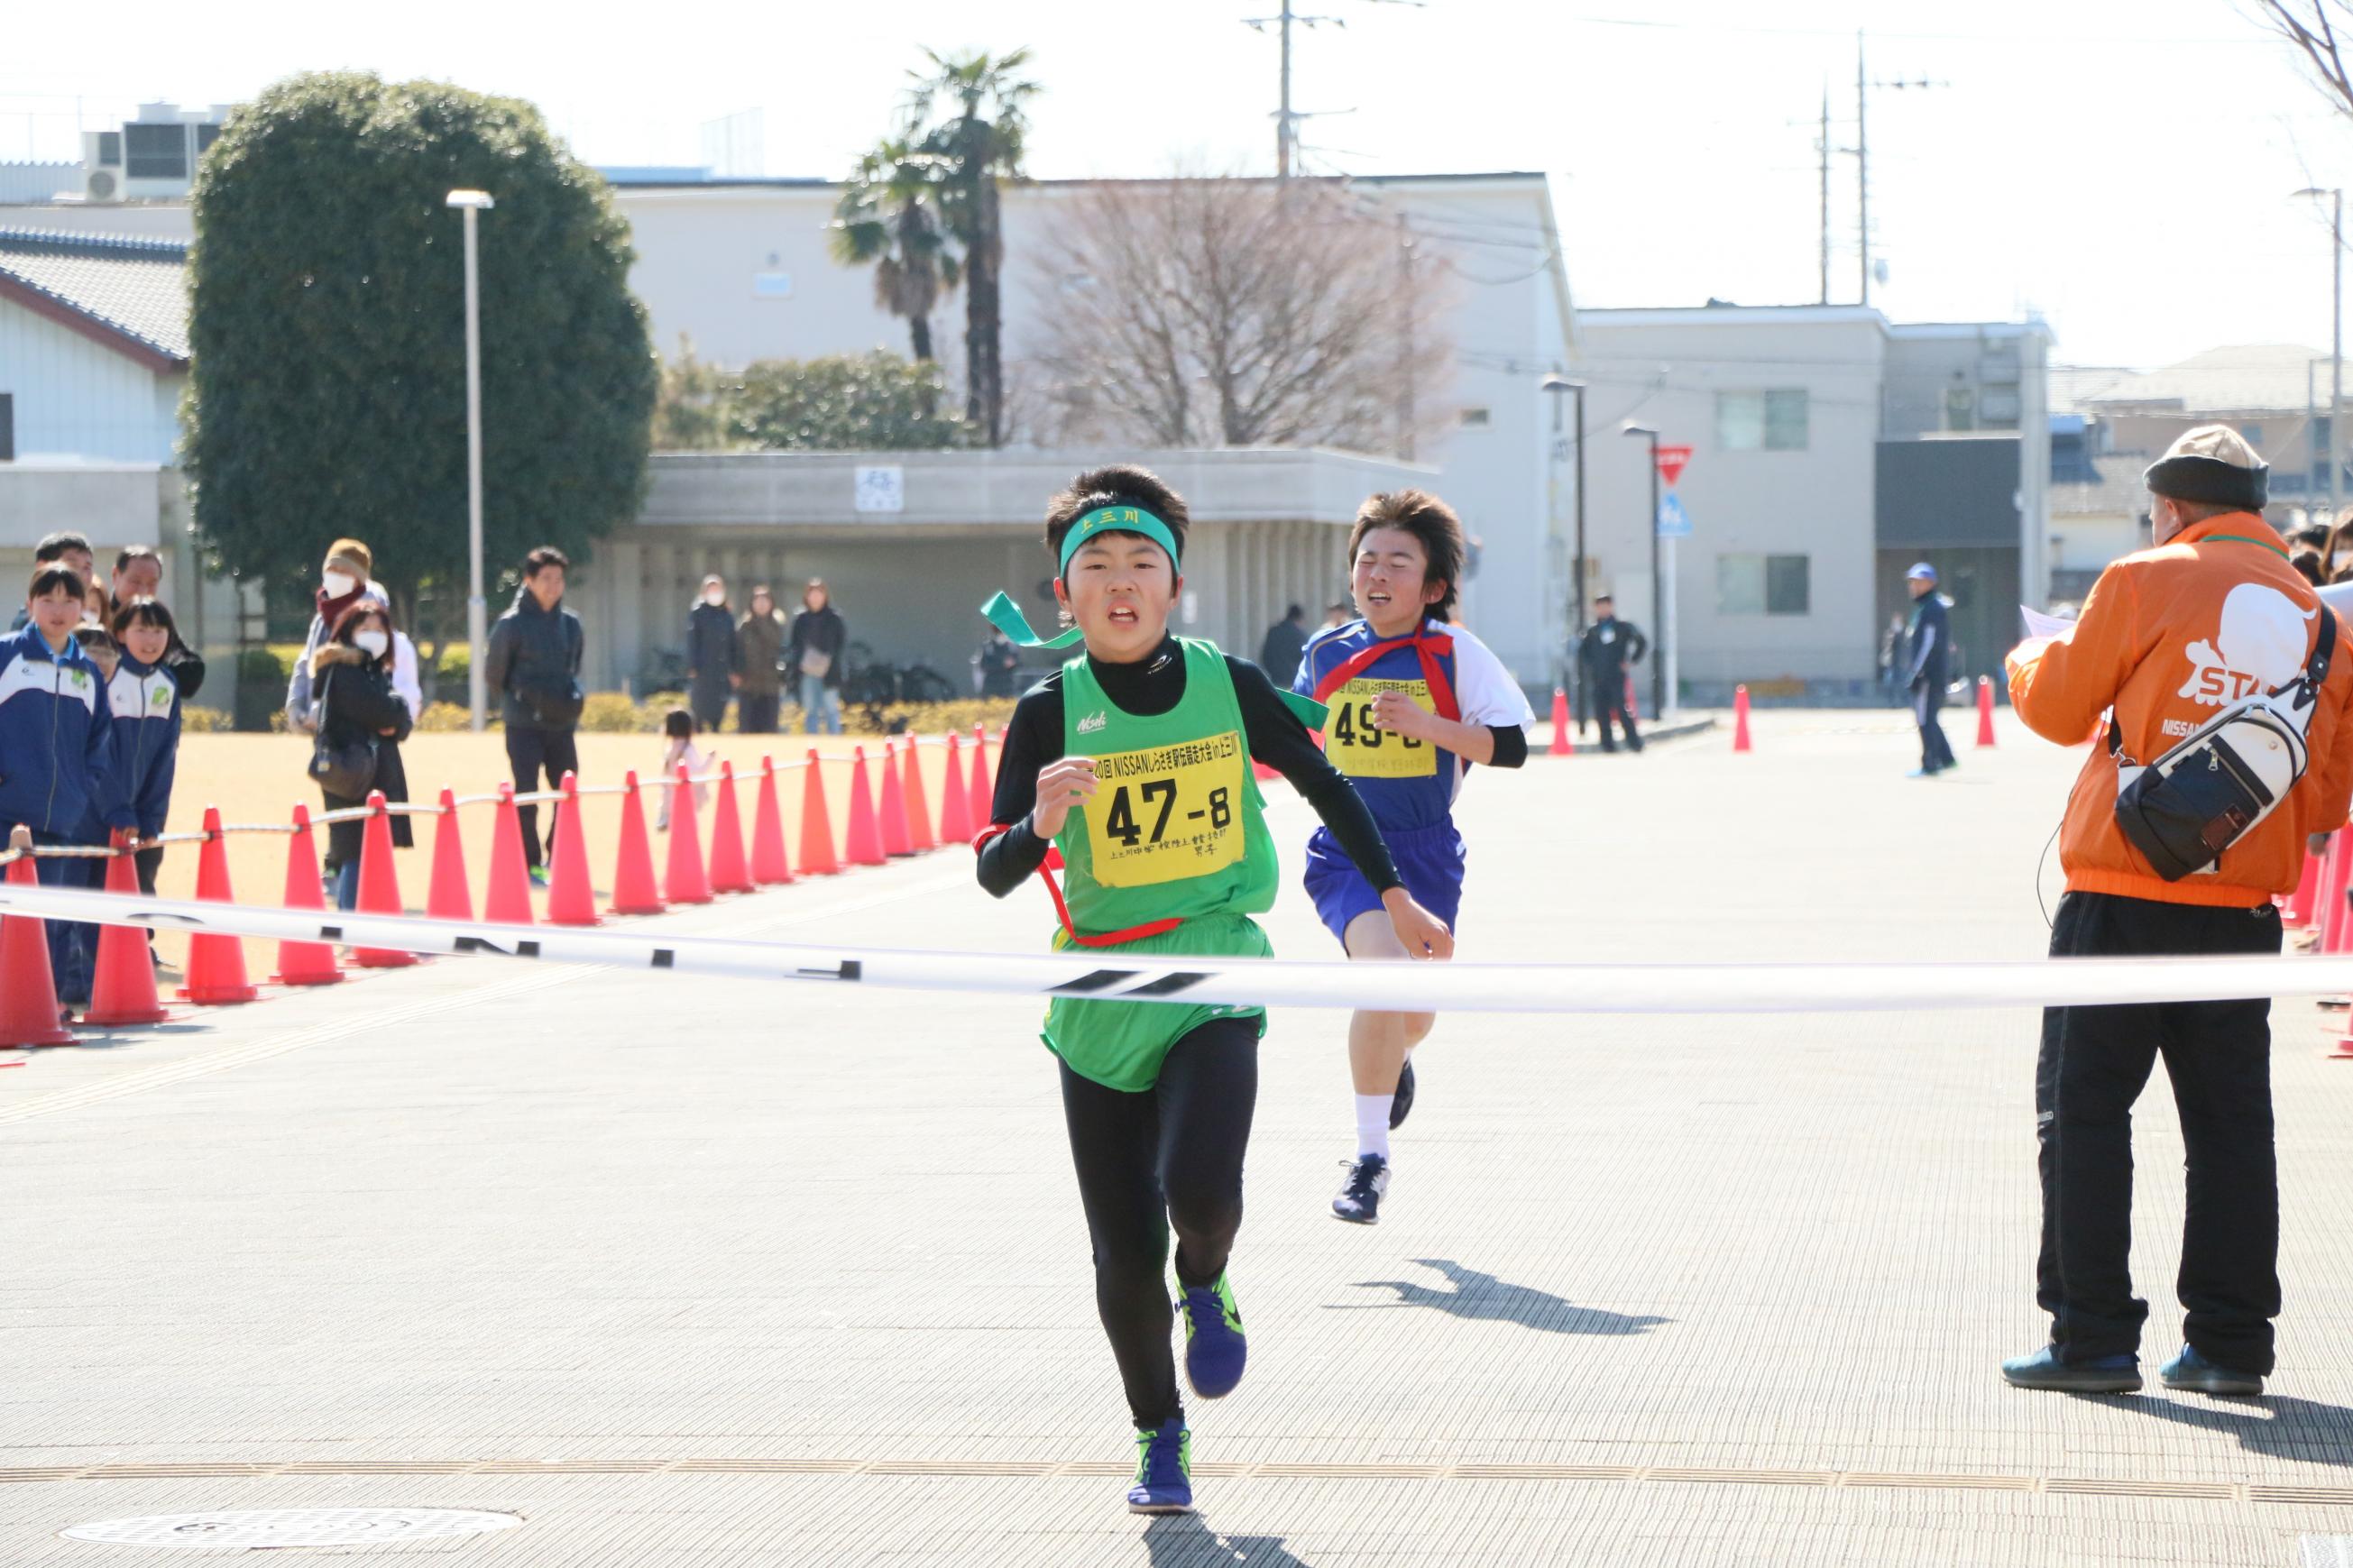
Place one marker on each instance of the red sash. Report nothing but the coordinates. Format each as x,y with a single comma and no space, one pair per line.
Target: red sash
1052,863
1426,644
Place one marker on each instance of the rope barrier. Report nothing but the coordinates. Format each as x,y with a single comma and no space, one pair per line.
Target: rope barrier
1195,979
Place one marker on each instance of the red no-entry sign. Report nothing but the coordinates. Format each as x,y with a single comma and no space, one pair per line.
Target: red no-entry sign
1671,464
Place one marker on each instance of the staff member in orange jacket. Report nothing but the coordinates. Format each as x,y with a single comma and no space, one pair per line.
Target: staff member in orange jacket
2169,638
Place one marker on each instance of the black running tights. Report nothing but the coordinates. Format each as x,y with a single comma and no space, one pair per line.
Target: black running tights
1169,1157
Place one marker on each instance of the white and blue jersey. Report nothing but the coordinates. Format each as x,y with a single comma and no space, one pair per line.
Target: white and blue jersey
1409,784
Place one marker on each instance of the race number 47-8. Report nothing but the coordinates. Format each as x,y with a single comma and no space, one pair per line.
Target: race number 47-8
1167,811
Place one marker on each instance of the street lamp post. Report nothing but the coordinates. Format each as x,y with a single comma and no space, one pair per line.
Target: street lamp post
1659,626
1555,385
469,205
2336,333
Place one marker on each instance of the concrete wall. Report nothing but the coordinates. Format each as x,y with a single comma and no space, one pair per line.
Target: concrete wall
78,399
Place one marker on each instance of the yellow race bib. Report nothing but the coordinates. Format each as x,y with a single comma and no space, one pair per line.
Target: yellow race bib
1166,812
1360,748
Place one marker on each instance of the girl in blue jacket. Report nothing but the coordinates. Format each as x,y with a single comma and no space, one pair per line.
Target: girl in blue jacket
145,695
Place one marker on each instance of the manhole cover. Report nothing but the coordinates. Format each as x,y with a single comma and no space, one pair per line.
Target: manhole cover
242,1529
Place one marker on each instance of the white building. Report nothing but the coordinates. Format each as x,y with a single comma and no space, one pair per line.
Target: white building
1830,450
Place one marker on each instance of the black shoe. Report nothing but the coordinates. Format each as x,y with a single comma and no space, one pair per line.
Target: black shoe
1359,1202
2194,1373
1402,1100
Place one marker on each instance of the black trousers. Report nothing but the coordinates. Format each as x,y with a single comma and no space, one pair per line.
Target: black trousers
755,711
1935,752
1168,1157
529,752
1609,698
2095,1063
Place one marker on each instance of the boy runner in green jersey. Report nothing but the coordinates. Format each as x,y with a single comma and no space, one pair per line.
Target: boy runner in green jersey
1133,763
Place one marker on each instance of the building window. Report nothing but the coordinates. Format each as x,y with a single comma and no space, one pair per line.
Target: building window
1772,421
1475,418
7,427
1764,586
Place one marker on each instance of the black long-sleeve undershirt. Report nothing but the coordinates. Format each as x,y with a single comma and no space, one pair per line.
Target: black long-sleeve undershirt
1153,686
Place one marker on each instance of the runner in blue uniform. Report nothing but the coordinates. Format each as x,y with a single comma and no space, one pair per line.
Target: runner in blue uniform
1412,702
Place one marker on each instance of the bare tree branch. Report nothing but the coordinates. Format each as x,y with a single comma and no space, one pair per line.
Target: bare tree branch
1237,312
2311,27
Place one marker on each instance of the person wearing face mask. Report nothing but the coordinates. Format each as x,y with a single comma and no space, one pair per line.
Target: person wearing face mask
534,668
343,580
714,663
2172,639
362,723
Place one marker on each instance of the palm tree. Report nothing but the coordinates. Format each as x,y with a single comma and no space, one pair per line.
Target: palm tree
888,218
967,112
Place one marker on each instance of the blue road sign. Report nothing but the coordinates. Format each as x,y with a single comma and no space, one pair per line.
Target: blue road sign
1674,522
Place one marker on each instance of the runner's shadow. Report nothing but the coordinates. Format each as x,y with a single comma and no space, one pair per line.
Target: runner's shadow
1182,1541
1482,1298
2279,1426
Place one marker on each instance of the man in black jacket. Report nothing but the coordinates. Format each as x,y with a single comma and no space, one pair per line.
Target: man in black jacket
714,665
534,667
1928,665
1285,641
1610,644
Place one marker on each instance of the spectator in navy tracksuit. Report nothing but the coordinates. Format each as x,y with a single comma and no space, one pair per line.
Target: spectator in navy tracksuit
56,761
145,694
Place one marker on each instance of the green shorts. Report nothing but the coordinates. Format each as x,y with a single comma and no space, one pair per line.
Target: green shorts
1121,1045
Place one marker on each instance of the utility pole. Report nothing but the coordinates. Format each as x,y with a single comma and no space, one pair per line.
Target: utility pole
1862,173
2336,339
1286,119
1283,115
1824,148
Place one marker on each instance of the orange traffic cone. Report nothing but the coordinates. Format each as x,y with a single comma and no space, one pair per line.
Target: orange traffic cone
863,844
956,825
216,973
1740,741
769,866
634,892
729,874
1561,741
981,801
816,824
685,881
507,900
2331,914
892,812
29,988
447,897
379,886
570,901
919,804
122,985
1985,711
306,963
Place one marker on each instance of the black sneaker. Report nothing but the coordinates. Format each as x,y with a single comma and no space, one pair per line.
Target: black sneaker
1402,1100
1359,1202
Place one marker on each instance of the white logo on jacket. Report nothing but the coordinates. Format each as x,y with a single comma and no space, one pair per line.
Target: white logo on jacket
1092,722
2261,646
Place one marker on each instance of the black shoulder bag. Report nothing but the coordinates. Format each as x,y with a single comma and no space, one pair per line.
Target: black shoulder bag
348,770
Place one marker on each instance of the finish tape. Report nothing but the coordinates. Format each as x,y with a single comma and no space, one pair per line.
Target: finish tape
1387,988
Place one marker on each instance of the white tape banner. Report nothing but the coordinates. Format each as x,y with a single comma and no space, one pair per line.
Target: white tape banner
1401,987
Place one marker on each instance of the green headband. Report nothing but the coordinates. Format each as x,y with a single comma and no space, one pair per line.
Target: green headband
1116,519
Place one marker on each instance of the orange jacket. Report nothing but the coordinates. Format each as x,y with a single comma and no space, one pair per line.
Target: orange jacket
2169,638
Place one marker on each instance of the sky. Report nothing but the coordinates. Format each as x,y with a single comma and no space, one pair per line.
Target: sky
2123,168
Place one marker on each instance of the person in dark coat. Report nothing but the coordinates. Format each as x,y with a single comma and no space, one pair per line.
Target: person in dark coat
1928,668
714,664
813,658
1608,647
999,664
760,651
1285,641
534,668
351,677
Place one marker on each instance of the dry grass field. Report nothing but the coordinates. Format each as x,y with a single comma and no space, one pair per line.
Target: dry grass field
259,778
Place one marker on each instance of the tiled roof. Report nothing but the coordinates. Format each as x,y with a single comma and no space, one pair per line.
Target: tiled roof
136,288
2245,378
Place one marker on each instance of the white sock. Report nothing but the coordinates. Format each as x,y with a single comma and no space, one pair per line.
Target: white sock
1373,1125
